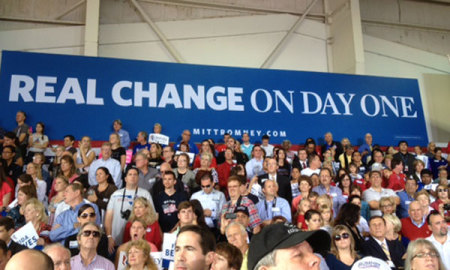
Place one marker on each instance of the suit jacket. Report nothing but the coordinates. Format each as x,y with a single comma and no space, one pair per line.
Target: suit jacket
284,186
396,250
296,163
15,247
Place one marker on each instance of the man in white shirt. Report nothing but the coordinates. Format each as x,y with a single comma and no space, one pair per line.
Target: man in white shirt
106,161
211,200
373,195
440,236
314,165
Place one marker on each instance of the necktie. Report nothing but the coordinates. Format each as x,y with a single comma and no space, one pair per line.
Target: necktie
304,165
386,251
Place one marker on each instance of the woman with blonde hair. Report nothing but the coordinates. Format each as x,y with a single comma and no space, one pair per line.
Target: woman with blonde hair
138,256
393,227
34,212
84,156
118,152
342,254
423,197
142,209
34,171
422,254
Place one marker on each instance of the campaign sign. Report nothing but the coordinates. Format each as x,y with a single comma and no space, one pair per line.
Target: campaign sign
168,250
158,138
81,95
26,236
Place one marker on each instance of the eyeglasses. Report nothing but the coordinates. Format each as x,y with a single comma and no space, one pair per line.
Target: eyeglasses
85,215
386,205
207,186
341,236
425,255
442,190
88,233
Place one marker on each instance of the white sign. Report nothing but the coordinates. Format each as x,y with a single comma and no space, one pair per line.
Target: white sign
168,249
158,138
191,156
157,258
26,236
122,263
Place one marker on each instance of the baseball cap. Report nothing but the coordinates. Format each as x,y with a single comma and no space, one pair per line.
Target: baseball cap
370,263
282,235
242,209
377,167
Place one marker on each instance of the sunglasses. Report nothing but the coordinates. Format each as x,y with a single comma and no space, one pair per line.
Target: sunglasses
85,215
442,190
207,186
88,233
342,236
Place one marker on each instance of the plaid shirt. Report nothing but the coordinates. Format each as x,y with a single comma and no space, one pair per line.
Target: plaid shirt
254,216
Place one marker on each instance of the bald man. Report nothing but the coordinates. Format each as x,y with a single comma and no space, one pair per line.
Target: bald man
30,257
59,255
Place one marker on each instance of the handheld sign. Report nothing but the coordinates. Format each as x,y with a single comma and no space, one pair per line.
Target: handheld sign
158,138
168,249
26,236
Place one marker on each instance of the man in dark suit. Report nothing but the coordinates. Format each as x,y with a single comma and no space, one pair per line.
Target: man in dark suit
284,185
301,160
380,247
407,158
329,143
6,230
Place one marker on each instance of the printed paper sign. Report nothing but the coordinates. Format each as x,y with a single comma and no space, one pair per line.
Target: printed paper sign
168,253
191,155
157,258
158,138
26,236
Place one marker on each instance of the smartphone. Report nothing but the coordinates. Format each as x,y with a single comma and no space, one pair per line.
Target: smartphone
230,216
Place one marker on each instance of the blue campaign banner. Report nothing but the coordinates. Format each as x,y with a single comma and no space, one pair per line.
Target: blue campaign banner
83,95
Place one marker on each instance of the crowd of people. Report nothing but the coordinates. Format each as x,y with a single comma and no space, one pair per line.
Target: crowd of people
231,205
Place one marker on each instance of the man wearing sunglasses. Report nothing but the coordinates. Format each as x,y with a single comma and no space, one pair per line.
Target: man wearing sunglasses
379,247
88,238
211,200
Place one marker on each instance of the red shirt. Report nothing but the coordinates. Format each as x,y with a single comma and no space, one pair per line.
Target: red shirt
397,181
153,234
223,171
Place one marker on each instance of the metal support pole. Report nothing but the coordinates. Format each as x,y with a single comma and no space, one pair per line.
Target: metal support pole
158,32
289,33
70,9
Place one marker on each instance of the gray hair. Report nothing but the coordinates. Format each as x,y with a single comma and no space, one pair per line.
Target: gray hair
234,223
268,260
415,247
50,247
87,224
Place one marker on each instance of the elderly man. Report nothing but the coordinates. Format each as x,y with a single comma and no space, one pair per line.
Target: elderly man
30,258
440,236
366,148
59,255
66,223
142,142
106,161
283,246
88,238
186,138
194,248
414,226
329,143
406,197
237,236
379,247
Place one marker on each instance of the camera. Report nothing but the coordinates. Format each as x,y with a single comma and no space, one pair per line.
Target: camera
125,214
447,206
230,216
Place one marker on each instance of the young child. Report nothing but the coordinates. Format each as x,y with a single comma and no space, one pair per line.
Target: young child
303,206
354,172
327,216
